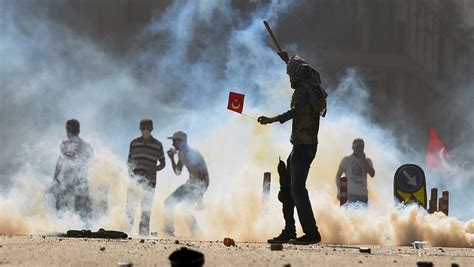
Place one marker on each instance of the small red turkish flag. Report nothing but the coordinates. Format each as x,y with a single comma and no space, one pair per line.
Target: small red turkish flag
436,153
236,102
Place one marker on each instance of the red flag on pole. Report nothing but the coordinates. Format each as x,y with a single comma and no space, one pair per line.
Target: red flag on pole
436,153
236,102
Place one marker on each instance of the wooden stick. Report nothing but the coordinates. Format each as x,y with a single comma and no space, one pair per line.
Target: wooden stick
272,35
248,116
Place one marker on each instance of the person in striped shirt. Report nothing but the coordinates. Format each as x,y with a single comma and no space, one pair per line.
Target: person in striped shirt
144,154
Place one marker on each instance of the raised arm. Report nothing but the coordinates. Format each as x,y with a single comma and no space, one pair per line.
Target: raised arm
177,167
369,167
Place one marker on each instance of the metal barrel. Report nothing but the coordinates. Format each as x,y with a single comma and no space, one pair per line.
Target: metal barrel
444,204
433,203
343,191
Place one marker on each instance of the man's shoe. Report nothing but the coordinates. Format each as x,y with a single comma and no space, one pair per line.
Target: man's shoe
306,240
284,237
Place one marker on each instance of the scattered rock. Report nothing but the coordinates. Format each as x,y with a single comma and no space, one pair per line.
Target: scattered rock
129,238
276,246
60,239
394,261
44,237
102,248
229,242
360,262
364,250
424,264
176,241
454,264
142,241
287,265
333,249
125,264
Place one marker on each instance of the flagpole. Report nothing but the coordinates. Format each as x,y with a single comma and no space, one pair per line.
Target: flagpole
248,116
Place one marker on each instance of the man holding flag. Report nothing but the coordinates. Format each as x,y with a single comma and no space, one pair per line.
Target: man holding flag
308,103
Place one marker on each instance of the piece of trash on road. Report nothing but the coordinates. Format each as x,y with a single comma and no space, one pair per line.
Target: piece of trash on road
420,244
276,246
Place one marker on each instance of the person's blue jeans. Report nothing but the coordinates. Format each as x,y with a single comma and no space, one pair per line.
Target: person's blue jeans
293,192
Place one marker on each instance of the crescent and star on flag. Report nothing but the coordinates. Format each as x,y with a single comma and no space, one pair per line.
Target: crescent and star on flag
236,103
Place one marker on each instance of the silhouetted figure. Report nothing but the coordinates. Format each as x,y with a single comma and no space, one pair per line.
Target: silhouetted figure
191,192
356,167
71,189
308,103
144,154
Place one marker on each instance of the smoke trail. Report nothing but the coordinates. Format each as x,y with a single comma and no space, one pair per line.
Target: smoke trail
195,53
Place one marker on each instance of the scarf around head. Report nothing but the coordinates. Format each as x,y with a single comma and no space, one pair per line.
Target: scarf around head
302,74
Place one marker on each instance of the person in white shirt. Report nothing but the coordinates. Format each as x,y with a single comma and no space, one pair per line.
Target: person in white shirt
71,176
190,193
356,167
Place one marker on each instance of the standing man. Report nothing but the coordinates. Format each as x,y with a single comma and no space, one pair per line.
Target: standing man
191,192
308,103
71,188
356,167
145,152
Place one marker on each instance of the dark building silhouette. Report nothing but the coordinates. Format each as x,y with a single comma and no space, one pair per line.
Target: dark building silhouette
411,53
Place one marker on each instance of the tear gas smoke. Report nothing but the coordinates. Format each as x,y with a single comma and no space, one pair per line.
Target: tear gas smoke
51,74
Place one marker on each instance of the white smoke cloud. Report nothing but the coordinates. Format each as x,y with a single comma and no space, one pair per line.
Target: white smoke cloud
193,55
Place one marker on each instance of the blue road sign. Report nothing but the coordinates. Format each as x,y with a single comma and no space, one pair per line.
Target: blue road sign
410,178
